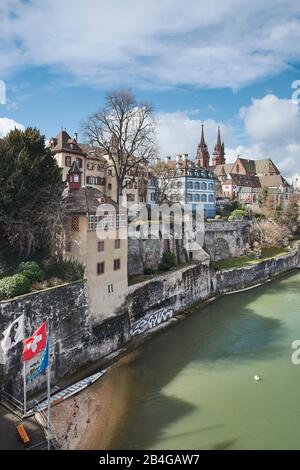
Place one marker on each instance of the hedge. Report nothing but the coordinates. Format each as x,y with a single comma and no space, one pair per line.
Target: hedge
12,286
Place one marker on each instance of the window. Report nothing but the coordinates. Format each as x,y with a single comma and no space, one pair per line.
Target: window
107,221
152,196
237,168
76,178
190,197
204,186
101,246
109,172
197,185
79,161
203,198
211,198
100,268
179,184
110,288
211,186
109,186
68,160
197,197
117,243
190,185
117,264
75,223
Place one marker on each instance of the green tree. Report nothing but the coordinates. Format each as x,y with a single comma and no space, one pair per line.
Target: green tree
262,196
30,192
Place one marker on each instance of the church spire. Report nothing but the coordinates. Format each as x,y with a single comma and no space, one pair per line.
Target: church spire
219,137
202,141
219,151
202,157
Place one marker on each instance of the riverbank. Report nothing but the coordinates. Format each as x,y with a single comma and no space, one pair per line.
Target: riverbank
148,398
90,420
93,416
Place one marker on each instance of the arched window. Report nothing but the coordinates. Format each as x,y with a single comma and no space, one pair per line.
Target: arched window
179,184
197,185
203,198
190,185
190,197
211,198
203,186
197,197
211,186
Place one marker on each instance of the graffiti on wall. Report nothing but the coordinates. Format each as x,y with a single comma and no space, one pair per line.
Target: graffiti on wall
150,321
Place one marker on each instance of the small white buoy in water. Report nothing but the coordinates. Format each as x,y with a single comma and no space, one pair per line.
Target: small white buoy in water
256,378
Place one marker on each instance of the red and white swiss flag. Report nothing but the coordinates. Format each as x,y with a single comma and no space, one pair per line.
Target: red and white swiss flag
36,343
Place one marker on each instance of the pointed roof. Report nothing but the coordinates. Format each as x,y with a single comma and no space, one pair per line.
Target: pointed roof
64,143
202,140
219,137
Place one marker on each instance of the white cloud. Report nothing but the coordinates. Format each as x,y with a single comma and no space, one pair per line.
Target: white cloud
273,125
7,125
166,43
272,119
178,133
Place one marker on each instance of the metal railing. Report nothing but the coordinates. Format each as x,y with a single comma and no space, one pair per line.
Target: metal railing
14,405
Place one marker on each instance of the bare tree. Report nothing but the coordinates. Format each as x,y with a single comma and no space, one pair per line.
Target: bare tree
125,131
268,233
166,184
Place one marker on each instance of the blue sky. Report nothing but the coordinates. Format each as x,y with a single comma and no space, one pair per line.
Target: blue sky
228,62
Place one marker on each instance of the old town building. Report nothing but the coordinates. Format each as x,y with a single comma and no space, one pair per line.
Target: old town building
96,169
186,182
96,235
244,178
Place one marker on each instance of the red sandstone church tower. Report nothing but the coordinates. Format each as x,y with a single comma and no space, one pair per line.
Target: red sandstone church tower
202,157
219,153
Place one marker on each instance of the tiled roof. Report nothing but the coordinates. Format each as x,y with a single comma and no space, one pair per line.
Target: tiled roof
249,165
220,170
263,167
244,180
273,181
63,142
85,200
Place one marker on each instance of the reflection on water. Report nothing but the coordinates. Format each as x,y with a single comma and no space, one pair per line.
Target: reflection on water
193,385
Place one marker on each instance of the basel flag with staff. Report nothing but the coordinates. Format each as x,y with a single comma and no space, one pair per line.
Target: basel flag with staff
35,344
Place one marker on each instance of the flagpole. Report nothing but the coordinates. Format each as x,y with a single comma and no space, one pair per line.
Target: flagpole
48,390
24,374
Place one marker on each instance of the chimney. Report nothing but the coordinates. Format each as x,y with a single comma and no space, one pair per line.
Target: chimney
167,159
178,157
76,136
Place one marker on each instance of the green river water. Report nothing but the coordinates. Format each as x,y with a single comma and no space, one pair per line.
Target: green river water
193,387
